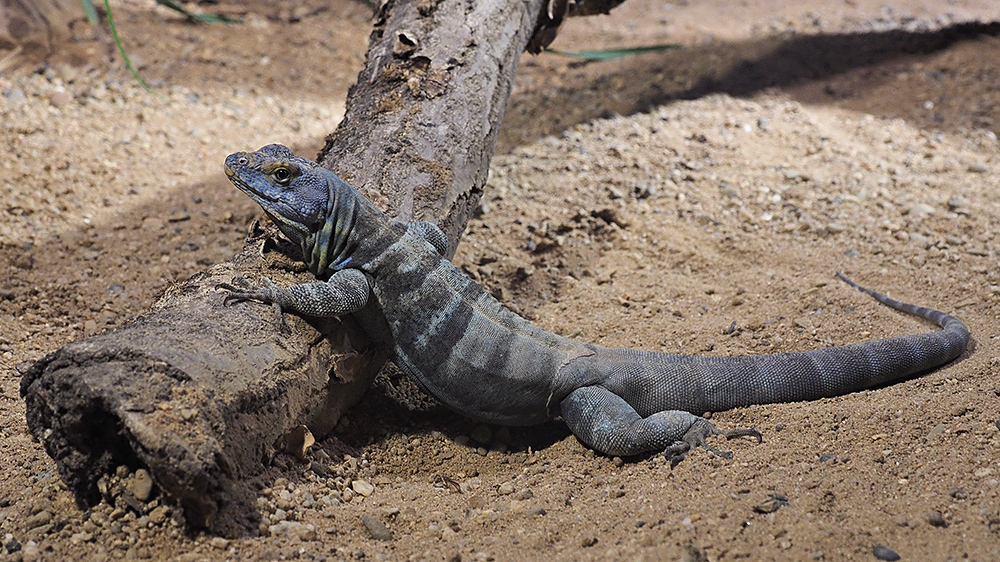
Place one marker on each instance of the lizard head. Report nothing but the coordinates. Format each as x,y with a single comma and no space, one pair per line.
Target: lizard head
293,191
310,204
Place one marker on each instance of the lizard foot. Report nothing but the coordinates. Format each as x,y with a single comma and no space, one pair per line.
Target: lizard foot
697,435
241,289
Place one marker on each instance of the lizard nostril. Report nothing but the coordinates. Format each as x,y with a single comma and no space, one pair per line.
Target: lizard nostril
242,161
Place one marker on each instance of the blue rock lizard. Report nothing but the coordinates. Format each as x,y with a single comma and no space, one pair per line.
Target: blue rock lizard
477,357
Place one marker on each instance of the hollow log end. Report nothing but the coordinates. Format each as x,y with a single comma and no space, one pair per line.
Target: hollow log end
89,431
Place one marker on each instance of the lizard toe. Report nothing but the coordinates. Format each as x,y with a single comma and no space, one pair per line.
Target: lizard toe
697,436
235,293
676,452
240,289
742,432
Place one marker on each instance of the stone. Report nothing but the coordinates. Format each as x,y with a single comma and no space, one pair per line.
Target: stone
362,487
59,99
376,528
141,485
920,210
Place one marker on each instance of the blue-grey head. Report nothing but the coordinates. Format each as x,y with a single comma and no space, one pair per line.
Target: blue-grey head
292,190
310,204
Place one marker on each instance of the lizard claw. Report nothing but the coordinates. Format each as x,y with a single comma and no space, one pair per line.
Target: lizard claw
236,289
697,436
241,289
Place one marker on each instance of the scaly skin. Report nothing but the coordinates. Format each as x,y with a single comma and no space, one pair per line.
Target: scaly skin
479,358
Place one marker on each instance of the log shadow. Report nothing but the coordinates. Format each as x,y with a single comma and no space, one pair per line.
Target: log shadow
545,103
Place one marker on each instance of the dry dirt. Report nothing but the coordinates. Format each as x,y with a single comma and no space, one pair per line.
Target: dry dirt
692,201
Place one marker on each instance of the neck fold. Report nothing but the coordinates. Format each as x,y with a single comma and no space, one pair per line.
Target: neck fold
352,224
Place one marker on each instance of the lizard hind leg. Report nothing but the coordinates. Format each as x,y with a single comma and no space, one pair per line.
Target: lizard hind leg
605,422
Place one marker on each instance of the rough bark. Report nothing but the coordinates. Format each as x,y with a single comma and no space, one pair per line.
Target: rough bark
422,119
198,392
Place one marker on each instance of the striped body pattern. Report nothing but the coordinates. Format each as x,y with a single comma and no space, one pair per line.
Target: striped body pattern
476,356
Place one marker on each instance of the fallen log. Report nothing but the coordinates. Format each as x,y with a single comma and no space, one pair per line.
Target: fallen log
198,392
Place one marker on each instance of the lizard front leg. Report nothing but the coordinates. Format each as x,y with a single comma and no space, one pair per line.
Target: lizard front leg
604,421
345,292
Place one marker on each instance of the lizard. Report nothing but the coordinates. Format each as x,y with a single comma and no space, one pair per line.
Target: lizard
477,357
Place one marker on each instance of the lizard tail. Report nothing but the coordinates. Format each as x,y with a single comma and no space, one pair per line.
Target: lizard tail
702,384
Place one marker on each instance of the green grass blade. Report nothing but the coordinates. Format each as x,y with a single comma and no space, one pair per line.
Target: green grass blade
121,49
89,10
204,18
612,54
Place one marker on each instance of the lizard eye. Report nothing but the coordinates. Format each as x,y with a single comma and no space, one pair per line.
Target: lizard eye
282,176
242,161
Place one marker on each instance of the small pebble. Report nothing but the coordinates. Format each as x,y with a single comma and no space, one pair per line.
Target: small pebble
884,553
362,487
307,532
16,95
376,528
920,210
141,485
219,542
30,551
37,520
78,538
936,430
936,518
159,515
59,99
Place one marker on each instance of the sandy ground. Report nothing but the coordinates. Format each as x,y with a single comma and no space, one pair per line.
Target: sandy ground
650,202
